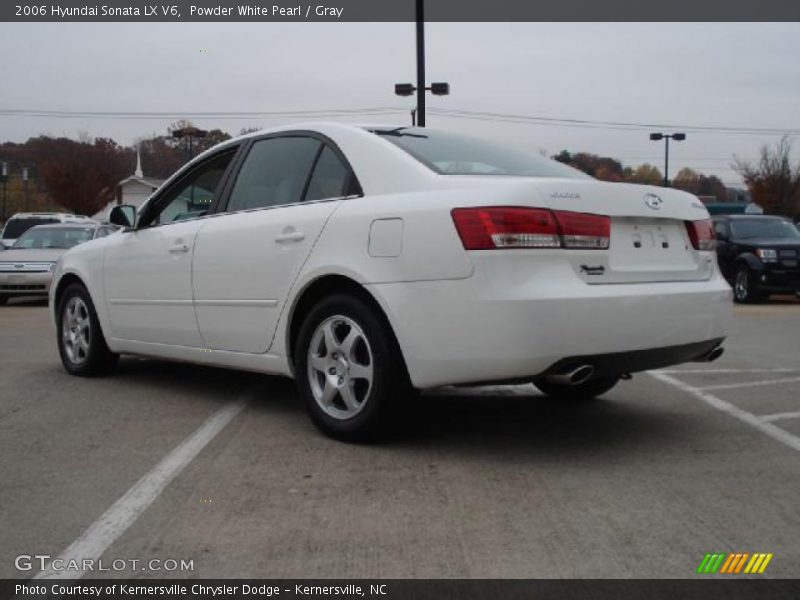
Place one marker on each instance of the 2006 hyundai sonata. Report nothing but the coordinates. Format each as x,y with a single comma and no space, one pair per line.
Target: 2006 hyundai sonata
367,261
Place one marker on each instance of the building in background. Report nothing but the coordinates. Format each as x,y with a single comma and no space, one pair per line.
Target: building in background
133,190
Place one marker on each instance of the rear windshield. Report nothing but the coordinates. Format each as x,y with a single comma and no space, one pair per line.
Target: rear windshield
455,154
54,237
16,227
764,228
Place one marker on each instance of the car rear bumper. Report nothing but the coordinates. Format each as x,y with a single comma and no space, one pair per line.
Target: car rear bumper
507,323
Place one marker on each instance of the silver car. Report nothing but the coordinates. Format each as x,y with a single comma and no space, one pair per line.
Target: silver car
26,268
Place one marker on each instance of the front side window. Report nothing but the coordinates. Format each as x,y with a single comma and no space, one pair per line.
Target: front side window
195,194
274,173
454,154
54,237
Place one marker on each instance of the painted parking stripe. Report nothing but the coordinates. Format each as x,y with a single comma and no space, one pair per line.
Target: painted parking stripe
732,386
715,371
124,512
776,433
780,416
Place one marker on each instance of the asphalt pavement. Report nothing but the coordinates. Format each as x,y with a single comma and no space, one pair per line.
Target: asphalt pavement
164,461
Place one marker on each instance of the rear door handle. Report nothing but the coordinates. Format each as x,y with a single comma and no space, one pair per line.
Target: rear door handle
293,236
179,248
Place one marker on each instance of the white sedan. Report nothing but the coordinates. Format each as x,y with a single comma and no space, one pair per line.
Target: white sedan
365,262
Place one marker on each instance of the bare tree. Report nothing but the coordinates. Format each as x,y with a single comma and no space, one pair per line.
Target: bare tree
774,182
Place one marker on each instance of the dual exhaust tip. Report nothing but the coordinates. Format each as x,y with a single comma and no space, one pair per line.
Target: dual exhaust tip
584,373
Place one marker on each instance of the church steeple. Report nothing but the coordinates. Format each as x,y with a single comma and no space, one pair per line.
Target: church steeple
138,172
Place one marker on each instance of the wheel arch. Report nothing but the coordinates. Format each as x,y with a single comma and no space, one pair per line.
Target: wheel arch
321,287
750,260
63,283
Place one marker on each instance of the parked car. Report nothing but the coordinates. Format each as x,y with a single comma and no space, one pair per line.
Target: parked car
365,261
26,268
758,255
21,222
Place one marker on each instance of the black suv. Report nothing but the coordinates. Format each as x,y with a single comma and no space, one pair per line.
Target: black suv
758,255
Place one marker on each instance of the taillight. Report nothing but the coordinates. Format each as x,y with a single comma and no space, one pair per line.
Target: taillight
489,228
701,234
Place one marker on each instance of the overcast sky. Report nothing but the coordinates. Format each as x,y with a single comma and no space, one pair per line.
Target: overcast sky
731,75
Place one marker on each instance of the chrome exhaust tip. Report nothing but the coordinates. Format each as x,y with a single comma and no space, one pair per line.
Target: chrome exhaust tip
574,377
715,353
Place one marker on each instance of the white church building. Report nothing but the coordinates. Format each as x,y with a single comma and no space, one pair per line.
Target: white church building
133,190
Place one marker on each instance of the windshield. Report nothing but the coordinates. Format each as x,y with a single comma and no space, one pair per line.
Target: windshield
764,228
54,237
16,227
454,154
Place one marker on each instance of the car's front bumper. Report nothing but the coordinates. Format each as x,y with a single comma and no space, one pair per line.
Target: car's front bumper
515,320
25,284
780,278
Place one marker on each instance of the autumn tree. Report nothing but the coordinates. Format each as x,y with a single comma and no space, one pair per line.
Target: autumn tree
81,176
645,174
698,184
599,167
774,182
162,155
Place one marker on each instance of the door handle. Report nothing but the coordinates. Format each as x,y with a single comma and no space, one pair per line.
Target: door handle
293,236
179,248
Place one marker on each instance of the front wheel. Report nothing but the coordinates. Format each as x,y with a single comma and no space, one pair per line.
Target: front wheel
81,344
348,369
581,391
745,286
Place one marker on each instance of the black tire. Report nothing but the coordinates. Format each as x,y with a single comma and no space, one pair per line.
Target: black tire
3,300
745,286
388,375
94,358
580,392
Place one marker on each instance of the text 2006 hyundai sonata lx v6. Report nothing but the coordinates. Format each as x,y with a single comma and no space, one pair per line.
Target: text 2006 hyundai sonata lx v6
366,261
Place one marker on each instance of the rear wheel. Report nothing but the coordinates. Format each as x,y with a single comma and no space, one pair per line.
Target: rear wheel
745,286
580,392
81,344
348,369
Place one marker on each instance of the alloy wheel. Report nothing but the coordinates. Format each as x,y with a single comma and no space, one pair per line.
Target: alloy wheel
340,367
741,284
76,330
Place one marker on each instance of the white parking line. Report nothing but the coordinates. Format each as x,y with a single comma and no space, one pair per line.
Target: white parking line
124,512
780,416
776,433
731,386
714,371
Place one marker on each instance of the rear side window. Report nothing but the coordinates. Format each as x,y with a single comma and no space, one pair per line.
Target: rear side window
16,227
454,154
274,173
329,179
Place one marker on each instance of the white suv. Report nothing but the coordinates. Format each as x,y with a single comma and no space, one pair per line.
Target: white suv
21,222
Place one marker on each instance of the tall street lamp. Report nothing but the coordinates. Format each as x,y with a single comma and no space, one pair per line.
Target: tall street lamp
407,89
678,137
4,179
191,133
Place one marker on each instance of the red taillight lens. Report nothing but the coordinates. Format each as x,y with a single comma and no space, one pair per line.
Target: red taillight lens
701,234
488,228
506,227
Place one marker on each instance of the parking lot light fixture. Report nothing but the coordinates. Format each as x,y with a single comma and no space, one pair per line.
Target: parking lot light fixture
656,137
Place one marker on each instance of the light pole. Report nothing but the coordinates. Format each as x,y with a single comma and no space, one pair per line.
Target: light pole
25,180
191,133
678,137
407,89
4,179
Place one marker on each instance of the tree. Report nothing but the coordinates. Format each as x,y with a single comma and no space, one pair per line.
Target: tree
80,176
698,184
645,174
774,183
599,167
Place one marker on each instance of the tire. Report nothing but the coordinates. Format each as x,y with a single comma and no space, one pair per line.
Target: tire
3,300
348,368
745,287
81,344
581,392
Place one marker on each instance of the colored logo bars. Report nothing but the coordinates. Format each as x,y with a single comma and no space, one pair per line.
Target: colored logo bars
734,563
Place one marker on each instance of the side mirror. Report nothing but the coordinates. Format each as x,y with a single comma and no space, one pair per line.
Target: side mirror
123,215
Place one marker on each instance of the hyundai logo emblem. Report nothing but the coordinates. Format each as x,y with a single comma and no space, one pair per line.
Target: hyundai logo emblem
653,201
